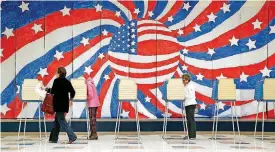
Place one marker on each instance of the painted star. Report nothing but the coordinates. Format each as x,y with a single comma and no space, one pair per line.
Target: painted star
257,24
251,44
186,6
118,13
210,51
106,77
184,67
125,114
147,99
265,72
243,77
170,19
98,8
137,11
58,55
221,77
65,11
199,76
37,28
105,32
4,109
211,17
88,70
225,8
234,41
24,7
272,29
85,41
150,13
180,32
185,51
202,106
43,72
221,105
8,32
197,28
101,56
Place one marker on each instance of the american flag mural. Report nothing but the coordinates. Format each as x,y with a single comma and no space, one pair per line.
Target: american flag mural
147,41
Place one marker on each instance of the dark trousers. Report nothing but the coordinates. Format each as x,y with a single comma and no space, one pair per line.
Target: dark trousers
92,115
191,124
61,122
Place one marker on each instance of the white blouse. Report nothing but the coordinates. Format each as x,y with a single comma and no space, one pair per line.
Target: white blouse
189,94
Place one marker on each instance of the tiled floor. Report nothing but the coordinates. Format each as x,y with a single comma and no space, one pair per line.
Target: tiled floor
148,143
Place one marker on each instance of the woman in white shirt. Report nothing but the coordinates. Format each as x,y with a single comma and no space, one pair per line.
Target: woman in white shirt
190,106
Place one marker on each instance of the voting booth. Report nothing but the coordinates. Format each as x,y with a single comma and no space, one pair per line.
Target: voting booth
28,93
80,88
265,93
127,92
175,92
224,90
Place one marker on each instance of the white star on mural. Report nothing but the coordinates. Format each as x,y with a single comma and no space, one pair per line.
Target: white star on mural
221,77
85,41
265,72
168,115
58,55
202,106
24,7
210,51
8,32
88,70
180,32
101,56
118,13
234,41
257,24
243,77
106,77
18,89
184,67
147,99
225,8
197,28
170,19
137,11
65,11
125,114
150,13
98,8
199,76
186,6
43,72
37,28
221,105
272,29
251,44
185,51
211,17
105,32
4,109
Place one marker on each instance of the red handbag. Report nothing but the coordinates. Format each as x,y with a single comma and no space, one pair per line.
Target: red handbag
47,106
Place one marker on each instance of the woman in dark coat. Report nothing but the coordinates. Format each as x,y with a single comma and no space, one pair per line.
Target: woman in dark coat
60,90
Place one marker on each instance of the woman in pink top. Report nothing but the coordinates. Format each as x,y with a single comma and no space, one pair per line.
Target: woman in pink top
93,103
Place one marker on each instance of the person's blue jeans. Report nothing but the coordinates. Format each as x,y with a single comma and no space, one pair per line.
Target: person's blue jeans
61,122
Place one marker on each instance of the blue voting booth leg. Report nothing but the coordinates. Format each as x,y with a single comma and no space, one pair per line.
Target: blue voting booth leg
165,120
263,119
216,120
118,120
25,123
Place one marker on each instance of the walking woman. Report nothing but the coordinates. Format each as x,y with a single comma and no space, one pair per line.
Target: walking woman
93,104
190,106
61,89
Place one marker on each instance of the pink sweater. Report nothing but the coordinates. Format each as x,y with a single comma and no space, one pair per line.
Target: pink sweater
92,96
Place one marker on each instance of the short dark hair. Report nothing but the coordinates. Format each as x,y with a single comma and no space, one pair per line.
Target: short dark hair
61,71
186,76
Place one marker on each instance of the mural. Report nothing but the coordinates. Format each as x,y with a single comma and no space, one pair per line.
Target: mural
148,41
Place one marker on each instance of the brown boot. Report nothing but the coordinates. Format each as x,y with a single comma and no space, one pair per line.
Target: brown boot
93,136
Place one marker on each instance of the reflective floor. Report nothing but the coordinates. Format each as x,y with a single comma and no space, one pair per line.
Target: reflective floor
150,142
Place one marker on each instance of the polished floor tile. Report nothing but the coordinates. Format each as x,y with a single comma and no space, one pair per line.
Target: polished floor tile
148,143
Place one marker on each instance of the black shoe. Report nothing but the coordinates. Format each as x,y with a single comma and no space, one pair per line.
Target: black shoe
71,141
